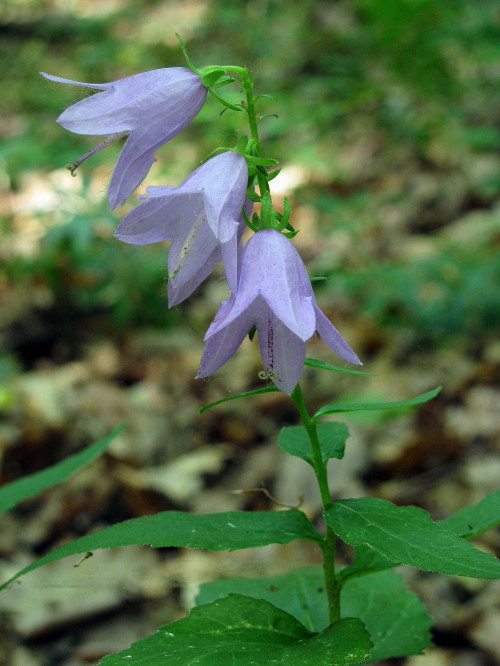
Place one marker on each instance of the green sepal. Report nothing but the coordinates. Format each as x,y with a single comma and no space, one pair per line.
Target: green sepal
272,174
216,151
252,224
261,161
264,389
186,57
285,217
256,221
319,279
224,81
267,220
227,105
241,146
210,75
252,195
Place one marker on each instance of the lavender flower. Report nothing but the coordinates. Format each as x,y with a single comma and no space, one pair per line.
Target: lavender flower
202,217
151,107
274,294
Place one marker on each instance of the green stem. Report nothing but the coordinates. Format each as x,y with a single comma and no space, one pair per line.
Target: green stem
332,582
252,120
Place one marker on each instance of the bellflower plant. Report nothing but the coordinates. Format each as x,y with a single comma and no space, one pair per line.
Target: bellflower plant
202,217
150,108
354,612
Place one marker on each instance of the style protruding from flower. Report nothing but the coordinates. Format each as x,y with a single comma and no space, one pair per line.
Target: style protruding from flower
274,294
151,108
203,219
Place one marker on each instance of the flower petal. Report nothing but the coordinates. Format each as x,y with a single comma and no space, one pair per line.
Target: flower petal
152,106
59,79
220,347
333,339
223,178
155,218
272,267
282,351
193,254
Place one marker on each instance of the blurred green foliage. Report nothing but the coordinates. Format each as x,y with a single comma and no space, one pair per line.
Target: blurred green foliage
410,81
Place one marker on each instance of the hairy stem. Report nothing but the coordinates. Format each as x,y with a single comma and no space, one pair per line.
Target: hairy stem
331,581
249,107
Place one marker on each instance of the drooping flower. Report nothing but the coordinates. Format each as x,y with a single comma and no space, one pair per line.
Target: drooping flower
274,294
202,217
151,107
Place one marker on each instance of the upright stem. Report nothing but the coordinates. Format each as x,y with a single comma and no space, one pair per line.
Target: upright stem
252,119
319,466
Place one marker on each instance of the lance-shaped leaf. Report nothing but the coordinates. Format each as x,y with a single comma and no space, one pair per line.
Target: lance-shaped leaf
151,107
231,530
245,394
17,491
362,406
407,535
472,520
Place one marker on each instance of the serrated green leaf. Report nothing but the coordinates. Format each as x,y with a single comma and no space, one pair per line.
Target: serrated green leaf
472,520
17,491
394,616
466,523
407,535
230,530
401,629
300,593
315,363
244,631
332,437
356,407
264,389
